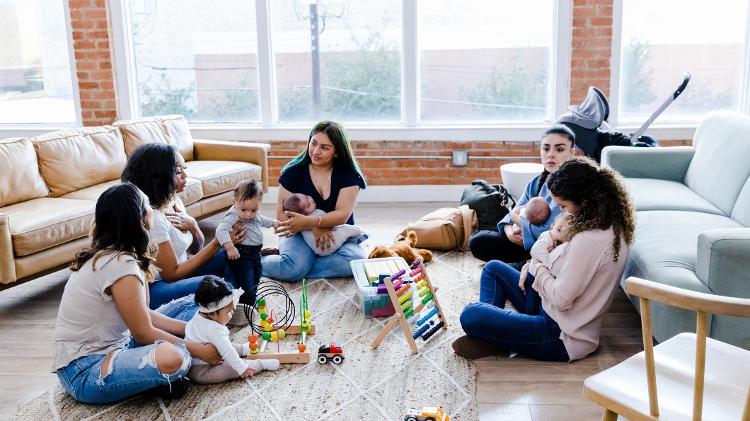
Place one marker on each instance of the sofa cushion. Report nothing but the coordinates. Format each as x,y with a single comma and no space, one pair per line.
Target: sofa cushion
19,172
651,194
172,130
96,154
39,224
221,176
719,169
666,243
741,211
91,193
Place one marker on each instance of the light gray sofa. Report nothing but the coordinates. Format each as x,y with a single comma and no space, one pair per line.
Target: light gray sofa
693,219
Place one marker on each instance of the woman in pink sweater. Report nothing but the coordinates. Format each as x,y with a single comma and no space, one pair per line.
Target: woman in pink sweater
560,306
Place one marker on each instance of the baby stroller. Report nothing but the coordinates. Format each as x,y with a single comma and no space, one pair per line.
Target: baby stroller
589,123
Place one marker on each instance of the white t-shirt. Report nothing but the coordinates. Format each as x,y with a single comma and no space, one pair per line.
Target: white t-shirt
201,329
162,230
88,321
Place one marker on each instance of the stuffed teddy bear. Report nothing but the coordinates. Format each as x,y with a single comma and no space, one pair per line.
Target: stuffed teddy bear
403,247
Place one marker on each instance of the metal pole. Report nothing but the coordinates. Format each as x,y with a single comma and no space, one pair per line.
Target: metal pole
315,50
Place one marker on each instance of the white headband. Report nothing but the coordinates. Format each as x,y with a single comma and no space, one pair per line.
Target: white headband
218,305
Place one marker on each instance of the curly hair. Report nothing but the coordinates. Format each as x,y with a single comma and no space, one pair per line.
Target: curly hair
601,195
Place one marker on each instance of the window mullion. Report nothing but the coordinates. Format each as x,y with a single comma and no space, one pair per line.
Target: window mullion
560,69
122,46
615,63
410,64
266,79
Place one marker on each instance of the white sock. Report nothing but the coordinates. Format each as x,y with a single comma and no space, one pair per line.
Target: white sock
260,365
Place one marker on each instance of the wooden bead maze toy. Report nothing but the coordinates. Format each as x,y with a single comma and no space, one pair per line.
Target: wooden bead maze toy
274,327
416,304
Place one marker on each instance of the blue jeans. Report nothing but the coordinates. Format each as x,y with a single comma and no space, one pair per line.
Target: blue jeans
530,332
296,260
163,292
132,368
247,271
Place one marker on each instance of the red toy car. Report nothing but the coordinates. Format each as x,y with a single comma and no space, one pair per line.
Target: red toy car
330,353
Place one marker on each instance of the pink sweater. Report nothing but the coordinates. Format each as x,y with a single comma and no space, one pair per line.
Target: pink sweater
578,288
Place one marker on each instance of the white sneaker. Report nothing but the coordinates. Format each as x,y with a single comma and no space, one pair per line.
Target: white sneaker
260,365
238,317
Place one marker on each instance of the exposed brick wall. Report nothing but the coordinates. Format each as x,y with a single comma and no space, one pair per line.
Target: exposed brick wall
590,65
591,48
91,46
420,168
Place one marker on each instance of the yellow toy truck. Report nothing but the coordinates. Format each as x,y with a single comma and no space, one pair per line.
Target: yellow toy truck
428,413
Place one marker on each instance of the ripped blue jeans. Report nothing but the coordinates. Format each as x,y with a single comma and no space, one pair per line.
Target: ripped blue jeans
132,369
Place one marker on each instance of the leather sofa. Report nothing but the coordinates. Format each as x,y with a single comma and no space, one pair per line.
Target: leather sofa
693,220
49,185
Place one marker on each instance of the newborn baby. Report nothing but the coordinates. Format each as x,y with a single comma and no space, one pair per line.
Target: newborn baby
305,205
536,211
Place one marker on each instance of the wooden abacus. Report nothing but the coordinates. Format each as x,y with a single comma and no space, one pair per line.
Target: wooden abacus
404,289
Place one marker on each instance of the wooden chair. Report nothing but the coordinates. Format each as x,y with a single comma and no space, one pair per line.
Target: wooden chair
698,378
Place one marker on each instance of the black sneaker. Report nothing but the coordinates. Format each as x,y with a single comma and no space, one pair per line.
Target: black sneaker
176,390
471,348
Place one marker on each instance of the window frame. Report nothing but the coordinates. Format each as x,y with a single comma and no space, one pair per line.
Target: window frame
409,127
22,129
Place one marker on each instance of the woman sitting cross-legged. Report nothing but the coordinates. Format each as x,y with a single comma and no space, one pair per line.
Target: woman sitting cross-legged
160,172
106,301
577,287
327,171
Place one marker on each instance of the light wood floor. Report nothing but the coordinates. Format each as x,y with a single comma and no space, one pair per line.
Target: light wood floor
507,389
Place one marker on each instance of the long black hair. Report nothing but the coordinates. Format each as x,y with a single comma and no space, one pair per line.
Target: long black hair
119,227
343,158
560,130
152,168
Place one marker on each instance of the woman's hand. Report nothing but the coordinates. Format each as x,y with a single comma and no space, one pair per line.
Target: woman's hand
296,223
205,352
181,220
323,237
237,233
515,215
515,238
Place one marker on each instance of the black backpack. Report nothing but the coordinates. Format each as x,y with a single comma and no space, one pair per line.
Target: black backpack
491,202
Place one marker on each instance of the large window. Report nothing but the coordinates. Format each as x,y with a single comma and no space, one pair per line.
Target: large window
291,62
485,60
340,60
662,39
198,58
36,85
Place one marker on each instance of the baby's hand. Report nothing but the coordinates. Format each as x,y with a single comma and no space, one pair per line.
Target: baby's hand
275,224
524,274
248,373
233,253
516,229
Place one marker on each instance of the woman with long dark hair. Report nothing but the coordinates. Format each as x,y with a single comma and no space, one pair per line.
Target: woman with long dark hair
106,301
328,172
507,245
160,172
575,290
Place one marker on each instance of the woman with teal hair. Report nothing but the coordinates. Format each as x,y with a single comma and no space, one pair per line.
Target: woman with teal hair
328,172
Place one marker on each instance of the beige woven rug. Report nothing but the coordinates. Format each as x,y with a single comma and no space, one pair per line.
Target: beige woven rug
379,384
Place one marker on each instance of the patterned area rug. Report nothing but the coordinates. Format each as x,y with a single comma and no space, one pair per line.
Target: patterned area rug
379,384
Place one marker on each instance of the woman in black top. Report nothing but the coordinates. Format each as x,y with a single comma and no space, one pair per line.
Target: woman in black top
327,171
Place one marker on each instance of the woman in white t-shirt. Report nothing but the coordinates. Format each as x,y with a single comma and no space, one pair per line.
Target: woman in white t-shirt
108,345
160,172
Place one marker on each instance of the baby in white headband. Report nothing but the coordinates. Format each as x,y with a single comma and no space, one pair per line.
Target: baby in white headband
216,301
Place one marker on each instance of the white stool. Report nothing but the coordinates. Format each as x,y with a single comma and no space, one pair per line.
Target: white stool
517,175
